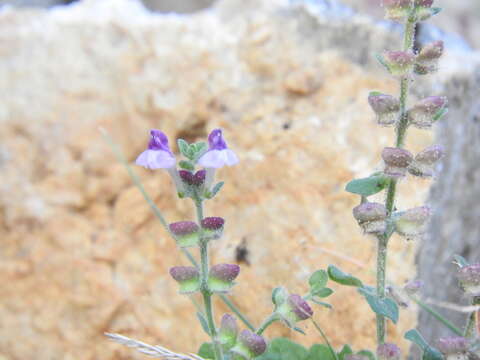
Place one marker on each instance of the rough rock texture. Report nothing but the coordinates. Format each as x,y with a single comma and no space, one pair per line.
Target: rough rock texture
82,253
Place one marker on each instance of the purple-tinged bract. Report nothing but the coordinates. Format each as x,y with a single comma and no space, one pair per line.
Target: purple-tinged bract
227,334
213,223
371,217
225,272
183,227
453,345
412,222
158,154
396,162
388,351
300,307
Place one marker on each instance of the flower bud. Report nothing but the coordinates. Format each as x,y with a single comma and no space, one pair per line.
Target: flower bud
424,162
397,296
427,59
388,351
227,334
413,286
249,345
398,63
412,222
396,10
469,278
425,12
371,217
424,3
212,227
221,277
386,108
427,111
186,233
293,310
191,179
396,162
188,278
453,347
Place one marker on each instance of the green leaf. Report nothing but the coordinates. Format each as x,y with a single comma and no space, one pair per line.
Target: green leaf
367,353
319,278
206,351
374,93
279,295
346,350
440,113
300,330
284,349
429,352
199,149
367,186
381,60
322,292
215,190
340,277
386,306
183,147
187,165
460,261
320,352
203,322
321,303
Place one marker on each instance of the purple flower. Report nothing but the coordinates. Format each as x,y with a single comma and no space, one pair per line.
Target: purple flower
218,154
158,154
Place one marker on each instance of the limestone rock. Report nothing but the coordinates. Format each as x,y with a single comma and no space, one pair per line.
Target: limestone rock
82,253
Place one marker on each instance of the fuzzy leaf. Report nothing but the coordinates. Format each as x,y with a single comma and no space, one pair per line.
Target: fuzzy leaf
183,147
187,165
367,353
367,186
215,190
386,307
203,322
206,351
340,277
346,350
460,260
321,292
279,295
429,352
321,303
320,352
318,278
284,349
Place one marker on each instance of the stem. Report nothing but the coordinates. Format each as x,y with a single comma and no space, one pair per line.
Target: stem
268,321
237,312
325,338
437,316
206,293
471,327
401,130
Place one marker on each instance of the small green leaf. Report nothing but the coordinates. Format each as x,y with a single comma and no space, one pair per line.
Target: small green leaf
320,352
206,351
187,165
321,292
374,93
321,303
215,190
386,306
319,278
340,277
297,329
367,186
429,352
367,353
279,295
440,113
203,322
183,147
284,349
460,261
346,350
199,149
381,60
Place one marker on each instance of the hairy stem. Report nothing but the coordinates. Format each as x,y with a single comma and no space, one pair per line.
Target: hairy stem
268,321
206,293
319,329
401,130
472,321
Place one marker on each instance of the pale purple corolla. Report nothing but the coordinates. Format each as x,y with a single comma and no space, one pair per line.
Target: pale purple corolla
159,156
218,155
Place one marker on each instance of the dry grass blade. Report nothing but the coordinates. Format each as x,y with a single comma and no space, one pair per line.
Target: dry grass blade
151,350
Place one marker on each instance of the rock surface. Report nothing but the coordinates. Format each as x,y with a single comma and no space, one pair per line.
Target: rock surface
82,253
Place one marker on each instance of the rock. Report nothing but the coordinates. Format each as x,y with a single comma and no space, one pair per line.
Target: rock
83,254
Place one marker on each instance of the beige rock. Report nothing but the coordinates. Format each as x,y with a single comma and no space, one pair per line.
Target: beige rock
81,251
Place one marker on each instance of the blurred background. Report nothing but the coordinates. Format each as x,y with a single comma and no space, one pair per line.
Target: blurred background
81,253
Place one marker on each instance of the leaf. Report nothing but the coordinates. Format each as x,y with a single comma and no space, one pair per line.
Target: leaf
206,351
429,352
440,113
187,165
374,93
367,186
203,322
460,261
381,60
367,353
199,149
322,292
284,349
215,190
321,303
386,306
320,352
279,295
346,350
183,147
297,329
318,278
340,277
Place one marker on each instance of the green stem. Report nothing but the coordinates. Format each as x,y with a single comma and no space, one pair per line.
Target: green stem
237,312
206,293
437,316
401,130
319,329
471,327
268,321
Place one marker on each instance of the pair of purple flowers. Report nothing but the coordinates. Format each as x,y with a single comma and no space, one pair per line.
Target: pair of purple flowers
159,156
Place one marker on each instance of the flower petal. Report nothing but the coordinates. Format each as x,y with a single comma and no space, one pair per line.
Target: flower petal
155,159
